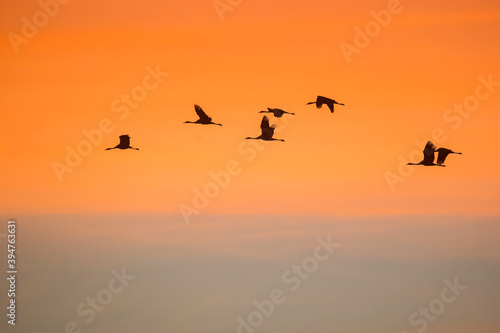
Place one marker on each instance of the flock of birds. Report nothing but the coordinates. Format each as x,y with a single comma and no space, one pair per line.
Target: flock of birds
267,132
429,155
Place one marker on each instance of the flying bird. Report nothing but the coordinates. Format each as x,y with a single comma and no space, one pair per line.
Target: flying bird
204,118
124,143
320,100
429,151
443,153
267,131
278,113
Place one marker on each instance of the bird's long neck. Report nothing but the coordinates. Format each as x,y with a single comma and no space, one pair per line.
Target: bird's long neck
189,122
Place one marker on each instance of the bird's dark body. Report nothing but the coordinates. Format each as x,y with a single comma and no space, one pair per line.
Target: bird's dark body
204,119
320,100
267,131
278,113
443,153
124,143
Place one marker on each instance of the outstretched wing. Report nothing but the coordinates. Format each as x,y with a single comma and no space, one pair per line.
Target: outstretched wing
124,140
203,116
267,131
443,152
429,150
264,124
324,100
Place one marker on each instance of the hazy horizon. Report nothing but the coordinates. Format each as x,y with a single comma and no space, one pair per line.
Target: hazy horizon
203,276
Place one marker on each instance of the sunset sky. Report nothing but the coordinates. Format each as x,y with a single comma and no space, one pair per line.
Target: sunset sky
397,90
75,78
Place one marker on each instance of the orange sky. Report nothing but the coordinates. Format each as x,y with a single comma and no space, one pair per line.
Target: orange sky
397,90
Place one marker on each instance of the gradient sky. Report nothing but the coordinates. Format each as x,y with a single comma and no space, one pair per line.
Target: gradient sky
340,172
397,91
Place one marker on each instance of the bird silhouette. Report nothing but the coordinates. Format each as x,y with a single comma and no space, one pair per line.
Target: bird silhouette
278,113
429,151
443,153
267,131
204,118
320,100
124,143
